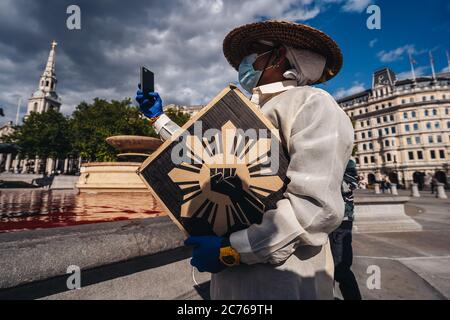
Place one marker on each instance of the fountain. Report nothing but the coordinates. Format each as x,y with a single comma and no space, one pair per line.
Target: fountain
118,176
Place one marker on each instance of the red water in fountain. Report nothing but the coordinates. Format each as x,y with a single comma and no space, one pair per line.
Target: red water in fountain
37,209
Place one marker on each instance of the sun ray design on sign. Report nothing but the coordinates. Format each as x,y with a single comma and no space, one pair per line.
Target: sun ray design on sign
224,179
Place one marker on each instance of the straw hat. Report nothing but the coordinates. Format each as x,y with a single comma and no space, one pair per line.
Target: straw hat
241,41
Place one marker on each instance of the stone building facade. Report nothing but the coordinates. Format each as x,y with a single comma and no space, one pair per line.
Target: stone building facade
402,128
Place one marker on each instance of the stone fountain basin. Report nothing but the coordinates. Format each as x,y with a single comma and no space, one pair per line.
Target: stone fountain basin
98,177
135,144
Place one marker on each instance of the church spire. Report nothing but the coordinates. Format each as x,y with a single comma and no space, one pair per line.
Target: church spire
50,67
45,97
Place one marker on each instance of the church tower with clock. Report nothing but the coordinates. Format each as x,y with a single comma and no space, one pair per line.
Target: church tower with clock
383,77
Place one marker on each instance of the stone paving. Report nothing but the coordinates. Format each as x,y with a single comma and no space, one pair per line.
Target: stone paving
413,265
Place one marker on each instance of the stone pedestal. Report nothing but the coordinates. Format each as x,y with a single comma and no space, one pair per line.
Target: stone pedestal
415,190
8,162
394,189
66,165
50,165
24,165
440,191
110,177
382,214
37,162
377,188
16,163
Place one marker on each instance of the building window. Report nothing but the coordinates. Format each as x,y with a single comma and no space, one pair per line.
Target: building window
386,143
424,98
434,112
366,160
367,110
362,123
437,125
369,134
378,120
364,147
393,130
411,100
368,122
426,113
418,140
416,126
380,132
391,117
419,155
428,125
448,124
351,114
411,155
372,159
405,115
439,139
413,114
446,111
390,104
442,154
432,98
382,106
370,146
408,141
357,160
403,101
430,139
432,154
389,157
363,135
407,127
376,107
384,119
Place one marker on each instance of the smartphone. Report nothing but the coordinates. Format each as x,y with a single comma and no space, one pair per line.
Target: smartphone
147,81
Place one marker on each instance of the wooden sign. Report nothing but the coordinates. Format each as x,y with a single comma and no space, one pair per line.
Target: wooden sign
222,170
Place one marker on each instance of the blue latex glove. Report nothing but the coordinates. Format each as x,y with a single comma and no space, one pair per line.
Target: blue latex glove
205,256
149,107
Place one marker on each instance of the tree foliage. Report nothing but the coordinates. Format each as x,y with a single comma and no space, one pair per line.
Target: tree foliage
50,134
43,134
176,116
92,123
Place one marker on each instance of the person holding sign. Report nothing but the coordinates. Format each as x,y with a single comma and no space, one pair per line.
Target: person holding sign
287,255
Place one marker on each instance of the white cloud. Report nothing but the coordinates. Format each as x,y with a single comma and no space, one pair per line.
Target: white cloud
344,92
396,54
180,40
419,71
356,5
373,42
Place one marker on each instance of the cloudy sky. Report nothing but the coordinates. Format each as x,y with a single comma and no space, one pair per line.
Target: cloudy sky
181,41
